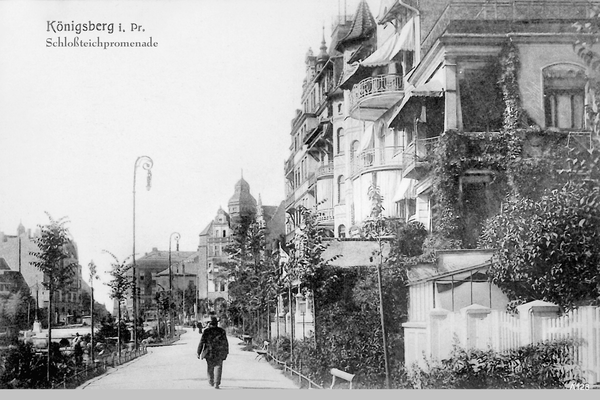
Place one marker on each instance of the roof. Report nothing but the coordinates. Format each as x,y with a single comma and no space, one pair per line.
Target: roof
159,259
242,194
4,264
207,230
354,253
490,27
450,262
363,26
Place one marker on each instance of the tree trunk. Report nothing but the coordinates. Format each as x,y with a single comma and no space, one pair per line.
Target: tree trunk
49,329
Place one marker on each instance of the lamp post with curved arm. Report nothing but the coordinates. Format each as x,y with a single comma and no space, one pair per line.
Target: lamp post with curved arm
146,163
177,236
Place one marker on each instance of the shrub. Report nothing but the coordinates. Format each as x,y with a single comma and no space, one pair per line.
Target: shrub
544,365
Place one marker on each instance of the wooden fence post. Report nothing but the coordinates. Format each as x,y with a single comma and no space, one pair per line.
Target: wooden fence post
532,315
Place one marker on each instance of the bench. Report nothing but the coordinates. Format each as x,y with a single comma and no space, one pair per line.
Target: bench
247,339
262,352
336,373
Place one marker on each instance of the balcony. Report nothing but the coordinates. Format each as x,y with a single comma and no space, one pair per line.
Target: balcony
325,216
385,158
504,10
415,157
373,96
289,164
325,171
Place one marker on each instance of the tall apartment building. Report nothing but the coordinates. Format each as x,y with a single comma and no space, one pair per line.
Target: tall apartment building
337,148
400,81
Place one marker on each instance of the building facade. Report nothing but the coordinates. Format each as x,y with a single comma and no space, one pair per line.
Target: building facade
152,272
67,303
377,103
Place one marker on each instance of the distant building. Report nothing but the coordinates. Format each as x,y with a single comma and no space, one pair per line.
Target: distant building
10,281
148,269
217,235
16,249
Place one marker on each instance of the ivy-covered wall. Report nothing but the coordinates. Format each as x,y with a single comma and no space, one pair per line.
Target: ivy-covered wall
519,158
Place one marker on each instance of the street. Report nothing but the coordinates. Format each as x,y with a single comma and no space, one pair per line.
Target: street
177,367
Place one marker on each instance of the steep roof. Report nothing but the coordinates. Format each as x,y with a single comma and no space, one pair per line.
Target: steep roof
363,26
206,230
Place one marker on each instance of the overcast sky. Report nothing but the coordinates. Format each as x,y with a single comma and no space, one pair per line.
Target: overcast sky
214,98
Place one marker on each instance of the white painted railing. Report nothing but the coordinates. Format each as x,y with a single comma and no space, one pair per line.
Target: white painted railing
376,85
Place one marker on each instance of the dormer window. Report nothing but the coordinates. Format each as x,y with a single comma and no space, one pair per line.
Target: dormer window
564,96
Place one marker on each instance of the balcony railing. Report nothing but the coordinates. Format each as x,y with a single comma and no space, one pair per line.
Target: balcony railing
375,85
325,215
418,151
380,157
508,11
325,170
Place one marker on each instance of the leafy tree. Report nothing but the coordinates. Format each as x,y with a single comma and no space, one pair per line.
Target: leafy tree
119,285
53,260
550,249
307,264
251,271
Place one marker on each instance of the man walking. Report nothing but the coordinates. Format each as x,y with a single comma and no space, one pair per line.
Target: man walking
214,347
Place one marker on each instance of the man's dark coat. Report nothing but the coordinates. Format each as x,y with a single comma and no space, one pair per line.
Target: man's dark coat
216,340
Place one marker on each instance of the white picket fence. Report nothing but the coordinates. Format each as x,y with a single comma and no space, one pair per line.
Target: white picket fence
582,324
480,327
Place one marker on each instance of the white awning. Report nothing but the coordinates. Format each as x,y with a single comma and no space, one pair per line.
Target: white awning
350,76
405,40
406,190
367,138
433,88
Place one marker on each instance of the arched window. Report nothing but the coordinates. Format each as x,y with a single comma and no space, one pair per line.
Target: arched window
342,231
354,150
340,140
564,96
340,189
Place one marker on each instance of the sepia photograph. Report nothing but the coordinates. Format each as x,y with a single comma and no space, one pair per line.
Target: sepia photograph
337,195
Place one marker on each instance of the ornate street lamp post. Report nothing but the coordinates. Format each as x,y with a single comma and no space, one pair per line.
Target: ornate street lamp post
177,236
146,163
